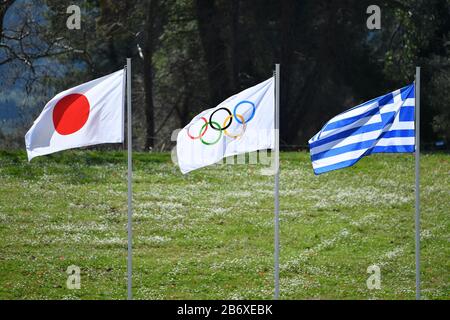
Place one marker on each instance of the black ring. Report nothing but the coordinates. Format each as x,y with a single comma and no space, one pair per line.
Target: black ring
211,124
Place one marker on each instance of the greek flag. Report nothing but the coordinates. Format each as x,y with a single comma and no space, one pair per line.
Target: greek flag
383,124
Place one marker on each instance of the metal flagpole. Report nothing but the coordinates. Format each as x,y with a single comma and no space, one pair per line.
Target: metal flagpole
130,176
417,127
277,182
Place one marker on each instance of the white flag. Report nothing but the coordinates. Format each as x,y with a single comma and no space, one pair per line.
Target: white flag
242,123
91,113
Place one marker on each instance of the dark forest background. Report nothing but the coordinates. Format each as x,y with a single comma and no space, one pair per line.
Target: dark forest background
189,55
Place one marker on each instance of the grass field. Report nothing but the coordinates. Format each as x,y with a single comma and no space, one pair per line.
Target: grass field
209,234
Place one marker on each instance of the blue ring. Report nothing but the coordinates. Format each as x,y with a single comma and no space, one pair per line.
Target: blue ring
251,116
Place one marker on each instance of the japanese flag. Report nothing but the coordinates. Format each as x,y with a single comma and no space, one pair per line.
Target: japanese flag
91,113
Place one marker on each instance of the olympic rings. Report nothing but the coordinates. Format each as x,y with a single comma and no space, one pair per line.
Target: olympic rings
218,127
226,124
218,137
253,111
244,126
201,133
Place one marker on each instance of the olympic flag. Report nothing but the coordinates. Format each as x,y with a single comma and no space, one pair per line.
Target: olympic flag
91,113
241,123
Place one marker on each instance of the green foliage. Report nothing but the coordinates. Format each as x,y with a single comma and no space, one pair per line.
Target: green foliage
179,70
329,60
419,36
440,99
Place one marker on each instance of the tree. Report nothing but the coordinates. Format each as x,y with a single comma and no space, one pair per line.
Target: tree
151,30
419,36
210,22
192,54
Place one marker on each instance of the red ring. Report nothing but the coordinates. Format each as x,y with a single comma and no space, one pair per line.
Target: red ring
201,134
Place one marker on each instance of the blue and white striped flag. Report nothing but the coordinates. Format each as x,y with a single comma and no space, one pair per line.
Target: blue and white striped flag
383,124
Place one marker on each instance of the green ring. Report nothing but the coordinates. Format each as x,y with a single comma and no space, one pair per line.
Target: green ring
215,141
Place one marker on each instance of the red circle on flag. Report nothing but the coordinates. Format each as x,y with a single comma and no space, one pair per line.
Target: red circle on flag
71,113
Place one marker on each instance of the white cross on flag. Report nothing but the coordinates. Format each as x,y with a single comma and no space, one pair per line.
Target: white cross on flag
89,114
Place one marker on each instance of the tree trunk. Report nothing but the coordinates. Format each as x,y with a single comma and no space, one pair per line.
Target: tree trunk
235,11
287,35
148,51
209,21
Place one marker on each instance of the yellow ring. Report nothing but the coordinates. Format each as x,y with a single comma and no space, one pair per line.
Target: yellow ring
243,126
